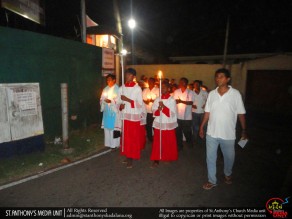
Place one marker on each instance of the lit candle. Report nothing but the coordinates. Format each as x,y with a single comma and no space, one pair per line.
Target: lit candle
110,94
160,80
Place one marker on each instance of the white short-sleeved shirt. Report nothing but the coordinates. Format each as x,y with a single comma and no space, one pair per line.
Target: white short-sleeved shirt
200,100
223,113
165,123
150,94
131,112
184,112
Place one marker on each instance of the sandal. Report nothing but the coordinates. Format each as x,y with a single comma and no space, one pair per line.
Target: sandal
129,166
129,163
208,186
228,180
155,164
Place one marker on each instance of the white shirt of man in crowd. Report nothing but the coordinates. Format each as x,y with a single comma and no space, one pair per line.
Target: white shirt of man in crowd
223,113
150,94
184,111
199,99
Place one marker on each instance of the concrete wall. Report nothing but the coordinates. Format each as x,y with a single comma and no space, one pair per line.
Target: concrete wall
279,62
205,72
193,72
28,57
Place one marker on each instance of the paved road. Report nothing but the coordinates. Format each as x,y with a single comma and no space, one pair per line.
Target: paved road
259,174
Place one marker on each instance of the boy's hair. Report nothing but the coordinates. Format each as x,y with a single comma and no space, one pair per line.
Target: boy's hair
131,71
113,77
165,83
185,80
199,82
151,79
175,85
224,71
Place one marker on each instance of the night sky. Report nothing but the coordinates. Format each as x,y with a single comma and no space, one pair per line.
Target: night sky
183,27
188,27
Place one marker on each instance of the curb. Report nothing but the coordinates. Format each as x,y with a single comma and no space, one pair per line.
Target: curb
52,170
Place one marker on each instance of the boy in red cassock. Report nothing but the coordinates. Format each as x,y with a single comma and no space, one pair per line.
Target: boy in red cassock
131,103
164,111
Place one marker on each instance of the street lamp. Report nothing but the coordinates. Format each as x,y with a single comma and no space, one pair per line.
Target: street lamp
132,25
124,52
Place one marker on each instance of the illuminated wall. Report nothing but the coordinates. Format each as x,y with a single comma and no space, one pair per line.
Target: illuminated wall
106,41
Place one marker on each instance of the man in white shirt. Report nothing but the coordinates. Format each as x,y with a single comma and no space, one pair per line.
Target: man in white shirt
149,95
200,97
184,100
223,106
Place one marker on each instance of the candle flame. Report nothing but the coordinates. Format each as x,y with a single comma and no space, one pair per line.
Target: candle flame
160,74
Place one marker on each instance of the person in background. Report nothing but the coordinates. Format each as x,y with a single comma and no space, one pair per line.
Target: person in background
166,80
184,100
224,105
204,87
143,83
131,103
173,88
156,80
191,86
172,81
143,123
149,95
200,98
164,111
110,119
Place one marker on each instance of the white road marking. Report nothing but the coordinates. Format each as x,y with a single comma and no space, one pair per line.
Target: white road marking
52,171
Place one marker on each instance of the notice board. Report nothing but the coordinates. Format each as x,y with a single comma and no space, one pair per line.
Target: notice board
20,111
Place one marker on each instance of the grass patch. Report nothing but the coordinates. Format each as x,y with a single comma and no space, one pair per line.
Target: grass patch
84,143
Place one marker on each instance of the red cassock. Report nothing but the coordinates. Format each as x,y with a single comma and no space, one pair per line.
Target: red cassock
133,142
134,134
168,145
169,150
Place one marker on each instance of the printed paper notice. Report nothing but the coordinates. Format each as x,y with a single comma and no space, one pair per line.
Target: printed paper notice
26,102
242,142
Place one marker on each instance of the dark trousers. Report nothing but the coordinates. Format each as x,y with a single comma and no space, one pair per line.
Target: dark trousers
149,128
197,120
184,127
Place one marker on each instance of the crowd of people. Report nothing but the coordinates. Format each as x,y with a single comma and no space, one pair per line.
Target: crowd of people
170,115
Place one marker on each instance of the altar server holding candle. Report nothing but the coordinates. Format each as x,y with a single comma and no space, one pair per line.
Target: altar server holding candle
164,147
110,121
131,108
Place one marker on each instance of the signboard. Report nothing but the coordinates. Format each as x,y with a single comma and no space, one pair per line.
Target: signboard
108,59
20,111
26,102
5,134
31,9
